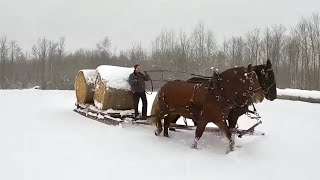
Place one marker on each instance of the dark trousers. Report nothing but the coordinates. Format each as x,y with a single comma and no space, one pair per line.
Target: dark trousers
136,98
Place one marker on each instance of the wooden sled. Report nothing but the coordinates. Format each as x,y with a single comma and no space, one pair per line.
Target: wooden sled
116,118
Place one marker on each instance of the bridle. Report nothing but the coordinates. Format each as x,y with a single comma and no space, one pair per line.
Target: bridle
266,77
250,91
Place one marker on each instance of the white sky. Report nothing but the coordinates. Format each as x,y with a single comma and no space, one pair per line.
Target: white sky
85,22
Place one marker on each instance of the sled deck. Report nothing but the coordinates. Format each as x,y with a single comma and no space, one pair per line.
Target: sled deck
118,117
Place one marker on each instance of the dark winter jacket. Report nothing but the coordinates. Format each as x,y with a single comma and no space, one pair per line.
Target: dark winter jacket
137,81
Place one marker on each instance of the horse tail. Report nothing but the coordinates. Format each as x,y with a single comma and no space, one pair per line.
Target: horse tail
155,111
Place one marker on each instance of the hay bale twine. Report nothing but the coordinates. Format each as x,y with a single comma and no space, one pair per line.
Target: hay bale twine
112,89
84,85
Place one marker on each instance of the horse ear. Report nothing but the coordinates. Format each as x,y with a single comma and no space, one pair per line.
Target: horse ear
249,67
269,65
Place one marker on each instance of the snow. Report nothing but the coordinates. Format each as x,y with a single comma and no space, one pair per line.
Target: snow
89,75
107,111
43,138
299,93
98,104
122,113
115,76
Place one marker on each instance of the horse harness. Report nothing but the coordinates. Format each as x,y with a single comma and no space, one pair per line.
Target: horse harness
214,82
266,74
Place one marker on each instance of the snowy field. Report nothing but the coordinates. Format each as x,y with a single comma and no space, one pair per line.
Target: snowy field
299,93
43,139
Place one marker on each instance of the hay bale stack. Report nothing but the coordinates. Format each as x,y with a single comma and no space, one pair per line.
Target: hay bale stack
112,89
84,85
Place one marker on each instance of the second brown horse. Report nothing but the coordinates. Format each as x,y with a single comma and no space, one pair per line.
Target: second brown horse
207,102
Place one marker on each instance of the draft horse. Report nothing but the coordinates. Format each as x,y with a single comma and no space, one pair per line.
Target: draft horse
207,102
267,81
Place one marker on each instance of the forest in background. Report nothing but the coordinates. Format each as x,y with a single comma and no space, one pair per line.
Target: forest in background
293,51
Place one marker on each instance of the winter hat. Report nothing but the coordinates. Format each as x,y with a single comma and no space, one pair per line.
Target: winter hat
136,65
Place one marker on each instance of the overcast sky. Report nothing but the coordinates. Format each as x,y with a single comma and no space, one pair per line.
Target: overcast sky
85,22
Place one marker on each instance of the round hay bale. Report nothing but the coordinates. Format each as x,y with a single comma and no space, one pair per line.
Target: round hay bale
112,89
84,85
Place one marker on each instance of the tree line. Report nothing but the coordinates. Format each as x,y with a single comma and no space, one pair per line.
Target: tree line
294,53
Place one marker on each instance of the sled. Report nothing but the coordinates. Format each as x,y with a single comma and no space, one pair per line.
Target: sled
118,117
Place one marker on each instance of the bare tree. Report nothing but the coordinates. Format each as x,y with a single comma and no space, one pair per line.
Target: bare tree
277,40
314,34
164,50
303,34
3,57
41,52
15,51
52,56
295,56
266,43
252,44
198,46
237,46
184,47
104,47
203,49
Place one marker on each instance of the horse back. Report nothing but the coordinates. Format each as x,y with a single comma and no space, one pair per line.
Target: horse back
182,93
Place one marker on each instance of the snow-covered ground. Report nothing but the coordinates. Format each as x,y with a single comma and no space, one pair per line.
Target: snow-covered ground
42,138
299,93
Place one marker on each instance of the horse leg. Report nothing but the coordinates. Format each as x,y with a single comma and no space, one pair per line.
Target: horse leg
175,119
231,141
234,115
195,123
159,126
233,119
158,115
229,134
166,124
201,125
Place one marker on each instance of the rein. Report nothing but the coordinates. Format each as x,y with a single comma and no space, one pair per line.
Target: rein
267,89
160,70
151,87
265,73
182,72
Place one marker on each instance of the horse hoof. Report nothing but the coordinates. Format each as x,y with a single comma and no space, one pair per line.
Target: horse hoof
229,149
194,147
166,135
157,133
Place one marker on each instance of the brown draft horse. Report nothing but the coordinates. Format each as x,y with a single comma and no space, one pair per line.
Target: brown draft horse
207,102
267,81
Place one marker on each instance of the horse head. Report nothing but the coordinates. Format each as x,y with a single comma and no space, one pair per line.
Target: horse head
241,85
267,80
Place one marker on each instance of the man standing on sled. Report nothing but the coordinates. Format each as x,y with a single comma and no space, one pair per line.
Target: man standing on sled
138,87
